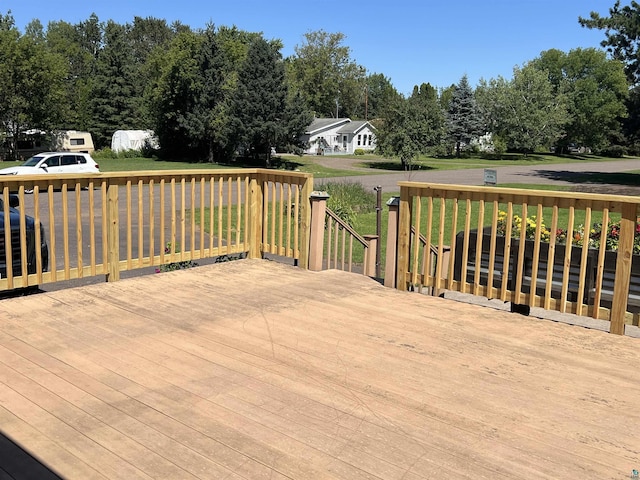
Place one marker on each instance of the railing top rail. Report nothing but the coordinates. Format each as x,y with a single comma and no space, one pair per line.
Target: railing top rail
155,174
516,192
347,227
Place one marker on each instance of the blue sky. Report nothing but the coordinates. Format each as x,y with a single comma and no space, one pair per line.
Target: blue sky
409,41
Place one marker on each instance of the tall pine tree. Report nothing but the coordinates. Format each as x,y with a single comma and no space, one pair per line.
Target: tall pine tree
260,100
464,120
116,98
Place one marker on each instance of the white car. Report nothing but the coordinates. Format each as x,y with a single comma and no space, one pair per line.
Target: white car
55,162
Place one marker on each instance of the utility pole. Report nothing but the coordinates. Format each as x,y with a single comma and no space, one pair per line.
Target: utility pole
366,101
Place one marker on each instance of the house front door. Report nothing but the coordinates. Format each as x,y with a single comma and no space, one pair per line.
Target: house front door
344,142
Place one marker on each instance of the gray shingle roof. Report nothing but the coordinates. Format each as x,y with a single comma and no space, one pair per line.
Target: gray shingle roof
322,123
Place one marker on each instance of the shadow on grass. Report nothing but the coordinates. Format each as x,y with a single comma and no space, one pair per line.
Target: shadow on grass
277,163
394,166
598,178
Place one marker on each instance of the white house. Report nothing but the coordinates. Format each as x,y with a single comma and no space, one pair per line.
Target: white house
339,135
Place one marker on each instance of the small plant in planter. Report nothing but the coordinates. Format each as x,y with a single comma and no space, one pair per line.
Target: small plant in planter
169,267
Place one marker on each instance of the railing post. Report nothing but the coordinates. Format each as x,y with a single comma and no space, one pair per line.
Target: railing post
256,204
392,243
370,263
623,268
113,234
305,222
404,239
316,245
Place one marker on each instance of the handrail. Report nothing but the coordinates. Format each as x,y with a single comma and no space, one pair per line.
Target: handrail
423,241
340,253
544,257
103,224
347,227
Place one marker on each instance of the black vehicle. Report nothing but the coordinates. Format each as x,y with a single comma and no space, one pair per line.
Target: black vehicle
16,252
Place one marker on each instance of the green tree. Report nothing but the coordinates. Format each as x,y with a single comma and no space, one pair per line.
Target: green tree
190,96
622,32
622,41
380,95
226,50
260,99
30,71
297,118
115,96
526,112
596,90
172,94
412,126
463,119
330,81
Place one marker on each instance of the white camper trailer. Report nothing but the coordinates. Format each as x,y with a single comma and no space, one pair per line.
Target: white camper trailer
123,140
72,141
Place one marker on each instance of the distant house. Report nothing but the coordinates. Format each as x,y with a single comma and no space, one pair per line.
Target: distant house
339,136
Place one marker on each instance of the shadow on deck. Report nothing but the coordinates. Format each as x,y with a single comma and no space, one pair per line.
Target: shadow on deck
255,369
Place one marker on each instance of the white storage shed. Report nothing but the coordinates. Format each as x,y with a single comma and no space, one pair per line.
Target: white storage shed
132,140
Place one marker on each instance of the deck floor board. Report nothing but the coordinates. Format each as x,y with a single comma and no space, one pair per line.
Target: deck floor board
258,370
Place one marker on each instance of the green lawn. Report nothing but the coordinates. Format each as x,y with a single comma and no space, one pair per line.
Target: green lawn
430,163
374,164
365,223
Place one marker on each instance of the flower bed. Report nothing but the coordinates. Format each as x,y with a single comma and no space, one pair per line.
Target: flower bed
595,236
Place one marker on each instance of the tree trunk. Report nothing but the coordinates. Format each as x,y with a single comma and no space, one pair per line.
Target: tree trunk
211,158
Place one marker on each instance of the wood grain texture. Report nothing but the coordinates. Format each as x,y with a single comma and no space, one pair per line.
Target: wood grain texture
258,370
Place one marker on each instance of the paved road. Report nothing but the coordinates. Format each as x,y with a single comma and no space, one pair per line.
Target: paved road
591,176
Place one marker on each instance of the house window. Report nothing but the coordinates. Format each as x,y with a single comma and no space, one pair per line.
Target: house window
359,138
369,140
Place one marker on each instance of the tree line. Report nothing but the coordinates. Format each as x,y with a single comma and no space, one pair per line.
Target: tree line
209,94
217,93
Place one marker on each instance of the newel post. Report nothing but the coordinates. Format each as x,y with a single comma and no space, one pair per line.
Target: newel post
113,234
305,221
370,257
623,268
404,239
256,204
392,243
316,242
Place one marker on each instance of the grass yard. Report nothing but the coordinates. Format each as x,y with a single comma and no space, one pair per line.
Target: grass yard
363,217
431,163
365,223
290,163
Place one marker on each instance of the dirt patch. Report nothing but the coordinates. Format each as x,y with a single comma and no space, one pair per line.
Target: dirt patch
610,189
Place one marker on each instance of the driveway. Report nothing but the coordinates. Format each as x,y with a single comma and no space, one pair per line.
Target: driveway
605,177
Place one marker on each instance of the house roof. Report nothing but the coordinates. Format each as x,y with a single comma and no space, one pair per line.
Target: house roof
324,123
355,126
348,125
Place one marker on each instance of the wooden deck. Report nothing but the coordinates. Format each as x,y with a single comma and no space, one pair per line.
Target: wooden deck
258,370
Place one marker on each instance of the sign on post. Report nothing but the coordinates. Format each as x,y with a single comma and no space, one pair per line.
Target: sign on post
490,176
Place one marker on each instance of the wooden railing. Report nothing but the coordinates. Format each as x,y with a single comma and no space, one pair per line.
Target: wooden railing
548,264
335,244
113,222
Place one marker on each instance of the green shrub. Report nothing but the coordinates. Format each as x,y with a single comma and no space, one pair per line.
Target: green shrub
613,151
104,153
348,199
358,151
108,153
